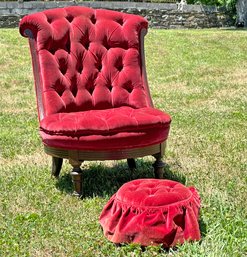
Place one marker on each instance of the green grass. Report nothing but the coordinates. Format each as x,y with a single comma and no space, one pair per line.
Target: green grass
200,78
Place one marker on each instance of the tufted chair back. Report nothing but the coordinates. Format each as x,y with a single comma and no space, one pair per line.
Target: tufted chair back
86,59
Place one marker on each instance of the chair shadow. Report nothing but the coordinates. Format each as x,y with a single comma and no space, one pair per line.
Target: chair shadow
103,181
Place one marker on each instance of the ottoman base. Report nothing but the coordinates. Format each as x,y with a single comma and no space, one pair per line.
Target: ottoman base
152,212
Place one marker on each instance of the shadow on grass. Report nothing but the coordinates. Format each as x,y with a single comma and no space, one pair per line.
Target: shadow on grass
203,228
100,180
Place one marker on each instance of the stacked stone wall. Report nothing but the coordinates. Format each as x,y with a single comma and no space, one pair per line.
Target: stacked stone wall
168,16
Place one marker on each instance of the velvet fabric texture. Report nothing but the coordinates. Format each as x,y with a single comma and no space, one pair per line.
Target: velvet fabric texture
91,89
89,59
113,123
152,212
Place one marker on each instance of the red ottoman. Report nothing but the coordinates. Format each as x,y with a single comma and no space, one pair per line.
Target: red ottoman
151,212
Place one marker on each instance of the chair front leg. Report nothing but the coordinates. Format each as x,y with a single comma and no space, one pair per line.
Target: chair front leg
158,166
56,166
77,178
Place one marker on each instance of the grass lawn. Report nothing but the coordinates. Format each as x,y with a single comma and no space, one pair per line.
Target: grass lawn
200,78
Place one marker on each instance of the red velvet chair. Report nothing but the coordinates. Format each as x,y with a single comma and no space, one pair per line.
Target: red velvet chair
92,93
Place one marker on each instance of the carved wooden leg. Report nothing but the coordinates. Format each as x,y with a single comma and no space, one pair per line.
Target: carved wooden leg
158,166
56,166
131,164
76,175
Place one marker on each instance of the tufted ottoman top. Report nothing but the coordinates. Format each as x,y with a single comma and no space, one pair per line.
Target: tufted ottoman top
152,211
150,192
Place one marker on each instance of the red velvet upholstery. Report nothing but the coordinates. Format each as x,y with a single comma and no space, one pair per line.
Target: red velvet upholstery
89,59
151,212
104,122
90,81
94,125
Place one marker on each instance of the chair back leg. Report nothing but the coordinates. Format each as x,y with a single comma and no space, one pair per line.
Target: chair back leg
56,166
132,164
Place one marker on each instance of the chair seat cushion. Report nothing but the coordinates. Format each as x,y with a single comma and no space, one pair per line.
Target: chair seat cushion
104,122
151,212
100,130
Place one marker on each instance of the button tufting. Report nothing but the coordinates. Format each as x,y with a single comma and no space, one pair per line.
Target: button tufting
90,90
63,66
110,88
74,91
105,43
59,91
107,46
58,87
73,85
129,88
63,71
99,66
120,21
152,192
93,19
49,20
52,51
120,67
70,18
67,46
119,63
86,45
79,69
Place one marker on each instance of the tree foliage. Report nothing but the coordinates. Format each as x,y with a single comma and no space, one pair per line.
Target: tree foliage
227,3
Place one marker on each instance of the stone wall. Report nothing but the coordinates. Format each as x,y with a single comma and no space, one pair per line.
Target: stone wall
159,15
